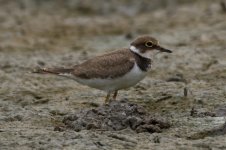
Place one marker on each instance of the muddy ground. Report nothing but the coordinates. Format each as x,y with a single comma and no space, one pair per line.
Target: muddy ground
186,88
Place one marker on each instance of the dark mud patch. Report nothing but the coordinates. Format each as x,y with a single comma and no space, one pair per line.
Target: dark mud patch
221,111
209,133
201,113
117,115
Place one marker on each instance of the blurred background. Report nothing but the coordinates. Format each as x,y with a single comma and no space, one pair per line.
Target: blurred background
58,24
48,33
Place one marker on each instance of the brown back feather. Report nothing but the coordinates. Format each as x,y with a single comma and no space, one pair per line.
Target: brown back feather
110,65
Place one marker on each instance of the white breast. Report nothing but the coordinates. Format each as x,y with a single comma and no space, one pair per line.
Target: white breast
129,79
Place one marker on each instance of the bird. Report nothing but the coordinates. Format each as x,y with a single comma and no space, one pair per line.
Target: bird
113,71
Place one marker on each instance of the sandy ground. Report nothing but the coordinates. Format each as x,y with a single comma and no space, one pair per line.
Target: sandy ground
186,88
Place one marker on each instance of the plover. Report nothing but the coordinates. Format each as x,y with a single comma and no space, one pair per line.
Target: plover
116,70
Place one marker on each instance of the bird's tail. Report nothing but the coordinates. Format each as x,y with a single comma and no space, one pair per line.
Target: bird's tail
56,71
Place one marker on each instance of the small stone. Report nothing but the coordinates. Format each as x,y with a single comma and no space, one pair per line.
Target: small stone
59,128
156,139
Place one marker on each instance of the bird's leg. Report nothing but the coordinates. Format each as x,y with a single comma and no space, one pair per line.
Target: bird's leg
115,95
107,97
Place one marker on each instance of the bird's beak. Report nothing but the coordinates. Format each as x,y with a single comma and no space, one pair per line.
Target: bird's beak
161,49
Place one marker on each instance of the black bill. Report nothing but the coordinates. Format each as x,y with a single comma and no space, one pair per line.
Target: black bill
161,49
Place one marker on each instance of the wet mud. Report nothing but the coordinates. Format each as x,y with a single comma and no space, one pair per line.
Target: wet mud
181,104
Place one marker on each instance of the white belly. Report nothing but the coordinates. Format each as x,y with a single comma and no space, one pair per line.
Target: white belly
130,79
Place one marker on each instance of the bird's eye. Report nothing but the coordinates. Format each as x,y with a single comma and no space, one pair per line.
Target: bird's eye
149,44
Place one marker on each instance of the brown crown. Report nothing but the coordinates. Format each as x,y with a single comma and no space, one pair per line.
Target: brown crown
144,43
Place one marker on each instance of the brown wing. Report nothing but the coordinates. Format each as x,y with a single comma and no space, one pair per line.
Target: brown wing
110,65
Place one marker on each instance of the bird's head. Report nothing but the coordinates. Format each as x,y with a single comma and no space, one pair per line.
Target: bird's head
147,46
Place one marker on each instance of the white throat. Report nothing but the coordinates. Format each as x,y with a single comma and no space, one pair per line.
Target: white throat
151,54
137,51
